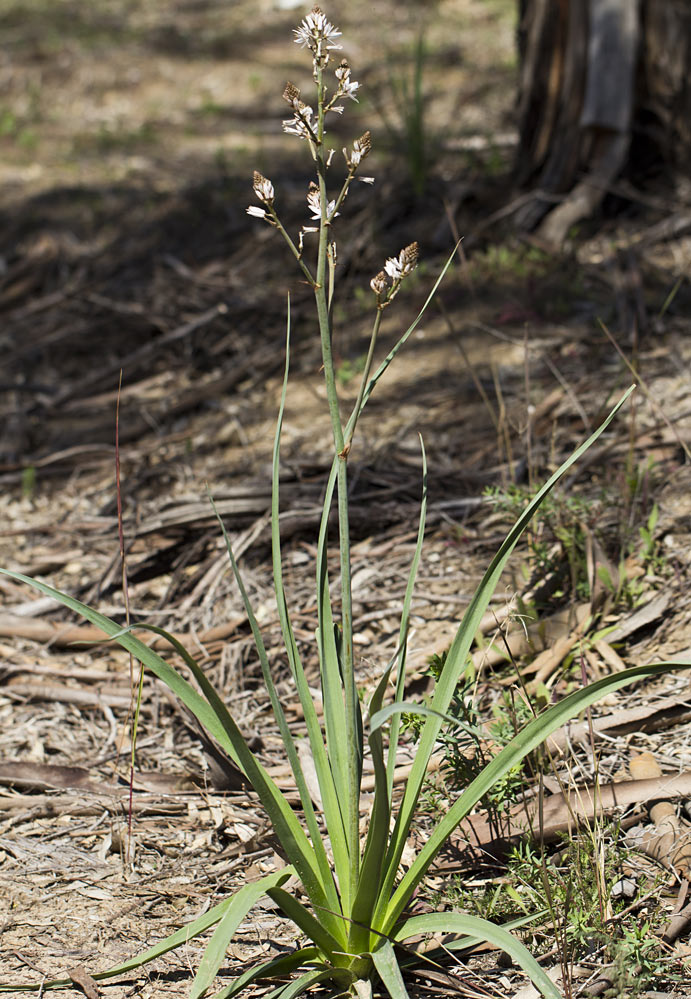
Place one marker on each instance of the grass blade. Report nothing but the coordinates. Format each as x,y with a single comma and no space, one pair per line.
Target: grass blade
236,910
277,967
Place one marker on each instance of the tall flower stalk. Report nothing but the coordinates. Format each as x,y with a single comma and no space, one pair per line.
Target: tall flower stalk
319,36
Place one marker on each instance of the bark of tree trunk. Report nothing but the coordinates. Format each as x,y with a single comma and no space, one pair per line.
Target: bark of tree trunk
601,82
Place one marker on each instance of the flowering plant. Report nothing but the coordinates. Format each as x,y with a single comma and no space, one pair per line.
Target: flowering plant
351,906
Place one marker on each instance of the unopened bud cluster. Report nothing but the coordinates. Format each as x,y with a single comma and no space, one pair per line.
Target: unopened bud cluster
361,148
395,269
264,190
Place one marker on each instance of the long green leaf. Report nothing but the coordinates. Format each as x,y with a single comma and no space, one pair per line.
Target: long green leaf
332,690
325,777
328,793
334,701
215,717
277,967
459,922
412,958
455,663
369,881
306,921
405,617
238,907
384,959
510,756
194,701
302,984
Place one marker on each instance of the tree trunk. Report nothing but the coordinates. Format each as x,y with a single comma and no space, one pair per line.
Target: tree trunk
603,84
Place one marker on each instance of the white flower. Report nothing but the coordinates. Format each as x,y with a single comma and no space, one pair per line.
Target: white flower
295,126
300,123
314,204
366,180
349,89
257,213
393,268
346,86
315,30
399,267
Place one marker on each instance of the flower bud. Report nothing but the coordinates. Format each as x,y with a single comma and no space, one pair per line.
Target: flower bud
263,188
291,94
378,284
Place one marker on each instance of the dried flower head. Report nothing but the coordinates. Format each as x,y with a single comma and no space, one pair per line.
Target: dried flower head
318,34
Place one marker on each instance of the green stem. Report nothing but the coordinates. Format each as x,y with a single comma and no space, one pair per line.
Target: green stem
347,666
293,248
355,415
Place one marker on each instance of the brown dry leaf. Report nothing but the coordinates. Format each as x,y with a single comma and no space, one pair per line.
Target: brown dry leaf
646,615
85,982
646,718
668,841
41,776
560,813
62,635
